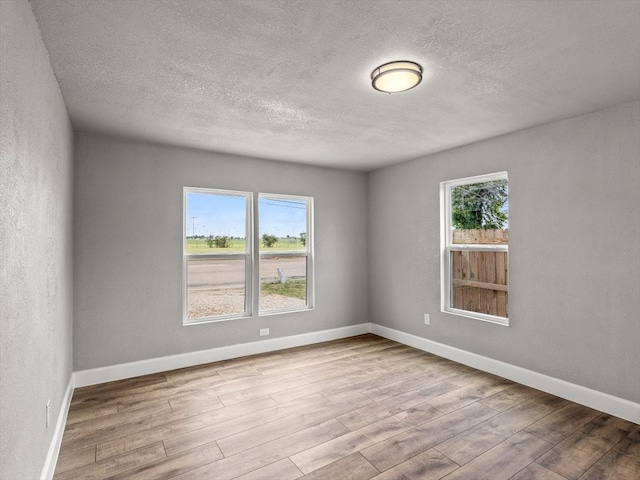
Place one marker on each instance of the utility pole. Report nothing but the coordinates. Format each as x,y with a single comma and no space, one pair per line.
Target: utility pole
193,227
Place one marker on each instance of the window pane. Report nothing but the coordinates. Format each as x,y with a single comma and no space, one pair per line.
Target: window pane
480,212
283,283
215,223
215,287
283,223
480,282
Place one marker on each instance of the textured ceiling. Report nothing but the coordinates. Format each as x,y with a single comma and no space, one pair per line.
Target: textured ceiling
289,80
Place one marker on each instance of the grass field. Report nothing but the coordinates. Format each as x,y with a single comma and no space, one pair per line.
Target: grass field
291,288
199,245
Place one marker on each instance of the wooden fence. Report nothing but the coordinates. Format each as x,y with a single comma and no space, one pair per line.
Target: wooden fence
481,236
480,279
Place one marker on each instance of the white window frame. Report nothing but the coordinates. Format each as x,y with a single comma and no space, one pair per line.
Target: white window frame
251,253
446,247
247,255
307,252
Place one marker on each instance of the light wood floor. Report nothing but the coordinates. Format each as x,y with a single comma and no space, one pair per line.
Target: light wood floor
358,408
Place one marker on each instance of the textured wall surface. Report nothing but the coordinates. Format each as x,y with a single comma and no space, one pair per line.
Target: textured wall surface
35,244
128,248
574,195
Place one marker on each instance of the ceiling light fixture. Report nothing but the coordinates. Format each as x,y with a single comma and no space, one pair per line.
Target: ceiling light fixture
394,77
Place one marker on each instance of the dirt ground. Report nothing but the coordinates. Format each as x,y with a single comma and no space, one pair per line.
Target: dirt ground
220,301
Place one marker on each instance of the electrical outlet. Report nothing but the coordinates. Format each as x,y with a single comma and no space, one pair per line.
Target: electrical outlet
264,332
427,320
48,414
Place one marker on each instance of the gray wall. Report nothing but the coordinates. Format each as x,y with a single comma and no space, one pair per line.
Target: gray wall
574,294
35,244
128,248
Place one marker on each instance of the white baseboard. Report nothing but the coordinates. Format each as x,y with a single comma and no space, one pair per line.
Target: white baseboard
576,393
54,447
601,401
121,371
585,396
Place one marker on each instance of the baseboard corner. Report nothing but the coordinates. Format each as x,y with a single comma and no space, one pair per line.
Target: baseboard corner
122,371
51,460
604,402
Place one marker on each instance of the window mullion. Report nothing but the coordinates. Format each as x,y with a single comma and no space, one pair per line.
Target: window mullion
255,249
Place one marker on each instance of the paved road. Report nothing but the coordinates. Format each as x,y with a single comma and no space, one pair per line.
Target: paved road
229,273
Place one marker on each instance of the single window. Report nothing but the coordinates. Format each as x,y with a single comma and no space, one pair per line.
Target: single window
217,255
286,259
475,247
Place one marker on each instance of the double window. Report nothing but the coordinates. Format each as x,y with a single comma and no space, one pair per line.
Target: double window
224,233
475,247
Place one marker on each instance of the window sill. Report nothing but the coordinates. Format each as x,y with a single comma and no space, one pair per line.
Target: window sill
477,316
225,318
280,312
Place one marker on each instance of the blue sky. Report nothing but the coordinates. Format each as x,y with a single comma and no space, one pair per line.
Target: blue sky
212,214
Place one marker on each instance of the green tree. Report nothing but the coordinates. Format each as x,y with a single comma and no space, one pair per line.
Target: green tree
269,240
303,238
219,241
479,205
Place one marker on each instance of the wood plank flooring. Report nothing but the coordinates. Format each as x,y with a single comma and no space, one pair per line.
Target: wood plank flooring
358,408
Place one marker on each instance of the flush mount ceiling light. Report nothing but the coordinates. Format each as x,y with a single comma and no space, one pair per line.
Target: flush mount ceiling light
394,77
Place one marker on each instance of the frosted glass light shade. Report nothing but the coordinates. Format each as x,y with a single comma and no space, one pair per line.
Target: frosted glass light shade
396,77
